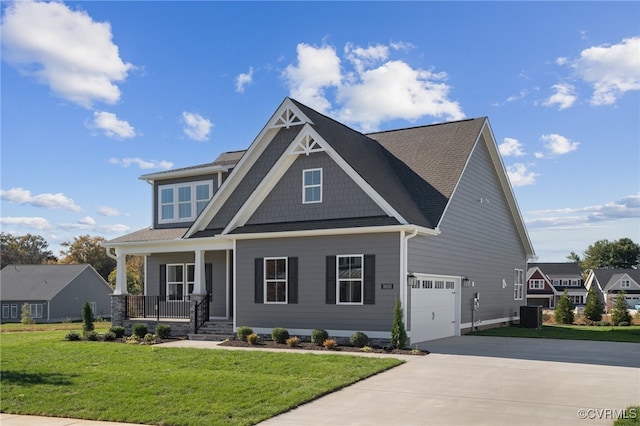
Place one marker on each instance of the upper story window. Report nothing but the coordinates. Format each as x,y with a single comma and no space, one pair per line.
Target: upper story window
536,284
183,202
625,284
312,186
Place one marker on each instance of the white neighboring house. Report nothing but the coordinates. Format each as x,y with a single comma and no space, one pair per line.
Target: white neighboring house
610,282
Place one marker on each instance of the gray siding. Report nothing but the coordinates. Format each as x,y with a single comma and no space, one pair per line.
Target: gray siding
341,197
86,287
311,311
252,179
477,240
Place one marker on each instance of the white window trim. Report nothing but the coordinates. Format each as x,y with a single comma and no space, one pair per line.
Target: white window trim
304,186
338,302
185,284
5,311
94,307
14,311
625,283
35,309
518,284
266,280
176,204
536,284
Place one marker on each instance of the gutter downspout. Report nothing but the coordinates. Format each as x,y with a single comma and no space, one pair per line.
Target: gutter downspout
404,289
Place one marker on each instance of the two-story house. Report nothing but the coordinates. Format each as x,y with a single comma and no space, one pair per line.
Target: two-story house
546,283
317,225
610,282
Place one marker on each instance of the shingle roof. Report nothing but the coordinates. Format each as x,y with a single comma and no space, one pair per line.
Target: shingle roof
150,234
608,277
558,269
37,282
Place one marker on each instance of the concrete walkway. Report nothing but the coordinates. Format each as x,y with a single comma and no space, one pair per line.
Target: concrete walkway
472,380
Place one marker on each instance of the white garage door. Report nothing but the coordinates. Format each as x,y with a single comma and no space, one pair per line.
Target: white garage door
433,307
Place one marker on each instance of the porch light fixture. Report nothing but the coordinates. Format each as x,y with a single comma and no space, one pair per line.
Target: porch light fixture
411,279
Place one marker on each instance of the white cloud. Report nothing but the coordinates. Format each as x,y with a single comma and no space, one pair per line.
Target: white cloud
511,147
244,79
64,49
574,218
612,70
112,126
109,211
142,164
38,223
564,96
47,200
196,126
317,69
558,145
519,175
88,224
377,89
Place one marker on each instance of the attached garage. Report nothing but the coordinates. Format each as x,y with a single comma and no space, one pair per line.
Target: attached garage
435,307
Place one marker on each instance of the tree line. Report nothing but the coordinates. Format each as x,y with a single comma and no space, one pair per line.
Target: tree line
605,254
32,249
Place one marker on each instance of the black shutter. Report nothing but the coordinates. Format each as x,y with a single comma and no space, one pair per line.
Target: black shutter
369,279
292,297
163,281
331,280
208,277
259,280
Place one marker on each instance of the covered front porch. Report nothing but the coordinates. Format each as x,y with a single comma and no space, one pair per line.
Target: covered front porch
186,284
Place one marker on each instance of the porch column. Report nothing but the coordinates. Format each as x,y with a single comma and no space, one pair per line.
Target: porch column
121,273
199,283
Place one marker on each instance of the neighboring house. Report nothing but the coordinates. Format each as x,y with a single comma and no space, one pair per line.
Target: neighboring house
610,282
54,293
546,283
316,225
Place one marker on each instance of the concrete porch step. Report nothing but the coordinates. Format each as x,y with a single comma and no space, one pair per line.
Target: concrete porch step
214,331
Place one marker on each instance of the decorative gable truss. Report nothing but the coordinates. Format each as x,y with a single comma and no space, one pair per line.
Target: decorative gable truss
288,118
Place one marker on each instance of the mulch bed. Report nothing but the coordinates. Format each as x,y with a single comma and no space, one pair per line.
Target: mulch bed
308,346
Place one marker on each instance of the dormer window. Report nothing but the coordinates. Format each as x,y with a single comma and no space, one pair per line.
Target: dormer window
311,186
183,202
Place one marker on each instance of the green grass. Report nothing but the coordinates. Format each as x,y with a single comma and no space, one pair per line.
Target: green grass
100,326
629,334
42,374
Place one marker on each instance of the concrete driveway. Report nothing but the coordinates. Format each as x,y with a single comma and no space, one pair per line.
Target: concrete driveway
472,380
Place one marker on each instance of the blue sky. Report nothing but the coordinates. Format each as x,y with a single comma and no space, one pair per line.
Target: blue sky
95,94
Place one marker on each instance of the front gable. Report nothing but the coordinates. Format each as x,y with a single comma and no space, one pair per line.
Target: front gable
622,282
533,286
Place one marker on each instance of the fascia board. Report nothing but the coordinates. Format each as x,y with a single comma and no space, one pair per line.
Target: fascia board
178,245
336,231
152,177
256,149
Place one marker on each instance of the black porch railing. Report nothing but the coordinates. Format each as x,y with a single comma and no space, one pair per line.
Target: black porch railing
157,307
201,314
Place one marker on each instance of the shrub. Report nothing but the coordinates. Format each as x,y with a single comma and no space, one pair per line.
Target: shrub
118,330
279,335
623,324
132,340
604,323
292,342
620,312
25,316
366,349
359,339
87,318
564,310
72,336
243,332
252,339
398,331
109,336
330,344
163,331
139,330
150,338
318,336
593,307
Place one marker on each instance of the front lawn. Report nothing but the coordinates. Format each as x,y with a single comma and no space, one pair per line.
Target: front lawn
42,374
629,334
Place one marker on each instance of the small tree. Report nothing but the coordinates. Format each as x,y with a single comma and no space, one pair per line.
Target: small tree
564,310
593,307
87,318
398,332
26,317
620,312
